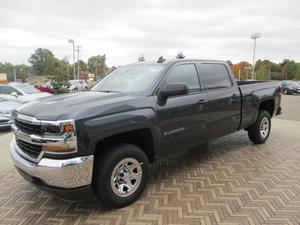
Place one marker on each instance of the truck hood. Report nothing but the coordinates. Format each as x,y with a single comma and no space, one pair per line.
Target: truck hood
77,105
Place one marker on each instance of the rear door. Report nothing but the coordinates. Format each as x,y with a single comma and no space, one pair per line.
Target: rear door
183,118
224,102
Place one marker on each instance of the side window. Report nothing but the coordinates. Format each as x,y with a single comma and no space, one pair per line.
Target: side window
184,74
7,90
215,76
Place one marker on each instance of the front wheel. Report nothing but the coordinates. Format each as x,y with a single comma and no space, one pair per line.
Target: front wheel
120,176
259,132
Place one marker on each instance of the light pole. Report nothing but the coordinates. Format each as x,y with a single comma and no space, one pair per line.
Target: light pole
78,68
71,41
254,37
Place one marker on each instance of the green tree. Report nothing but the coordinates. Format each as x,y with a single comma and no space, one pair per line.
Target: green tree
297,77
263,73
7,68
97,65
37,60
82,66
49,65
288,69
60,76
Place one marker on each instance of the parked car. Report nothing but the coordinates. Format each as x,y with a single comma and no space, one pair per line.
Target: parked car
20,92
78,85
101,142
6,108
291,87
46,87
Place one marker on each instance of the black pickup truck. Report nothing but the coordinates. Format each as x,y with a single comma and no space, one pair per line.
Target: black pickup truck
101,142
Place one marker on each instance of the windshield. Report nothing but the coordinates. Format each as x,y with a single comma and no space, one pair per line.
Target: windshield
26,88
132,78
73,82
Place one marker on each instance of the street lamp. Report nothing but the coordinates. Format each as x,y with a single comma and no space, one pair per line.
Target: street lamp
254,37
71,41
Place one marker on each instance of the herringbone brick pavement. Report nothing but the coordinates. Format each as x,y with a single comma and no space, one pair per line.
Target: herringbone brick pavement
230,182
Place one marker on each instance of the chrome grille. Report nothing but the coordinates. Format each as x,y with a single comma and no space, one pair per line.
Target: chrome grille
30,149
28,128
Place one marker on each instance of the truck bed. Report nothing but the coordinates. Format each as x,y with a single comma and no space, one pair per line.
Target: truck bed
253,92
247,87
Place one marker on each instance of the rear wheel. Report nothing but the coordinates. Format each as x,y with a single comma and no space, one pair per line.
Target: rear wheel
259,132
121,175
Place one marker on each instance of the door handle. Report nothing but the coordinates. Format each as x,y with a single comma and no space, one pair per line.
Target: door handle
202,101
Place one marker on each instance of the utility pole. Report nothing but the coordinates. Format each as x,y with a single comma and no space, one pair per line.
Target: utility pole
78,67
96,67
15,77
73,42
254,37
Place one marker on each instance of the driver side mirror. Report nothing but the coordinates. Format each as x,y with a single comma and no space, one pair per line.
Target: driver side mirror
171,90
14,94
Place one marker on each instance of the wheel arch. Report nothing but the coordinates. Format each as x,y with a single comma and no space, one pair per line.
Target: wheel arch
141,137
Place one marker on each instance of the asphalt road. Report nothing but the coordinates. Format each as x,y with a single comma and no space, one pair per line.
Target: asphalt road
290,107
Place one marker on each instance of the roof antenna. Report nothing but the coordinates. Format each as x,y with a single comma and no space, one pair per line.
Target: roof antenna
161,59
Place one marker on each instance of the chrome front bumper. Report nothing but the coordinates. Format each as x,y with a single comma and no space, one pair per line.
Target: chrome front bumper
61,173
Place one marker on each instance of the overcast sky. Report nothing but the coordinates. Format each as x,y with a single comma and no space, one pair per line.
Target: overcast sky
124,29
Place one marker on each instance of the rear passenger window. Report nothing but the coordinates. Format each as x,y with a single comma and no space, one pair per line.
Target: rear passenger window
215,76
184,74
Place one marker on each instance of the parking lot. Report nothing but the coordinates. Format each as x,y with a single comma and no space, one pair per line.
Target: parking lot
231,181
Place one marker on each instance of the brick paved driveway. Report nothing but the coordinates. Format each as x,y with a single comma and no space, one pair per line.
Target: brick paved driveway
231,182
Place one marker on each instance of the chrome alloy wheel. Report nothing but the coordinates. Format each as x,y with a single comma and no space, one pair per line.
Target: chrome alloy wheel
264,127
126,177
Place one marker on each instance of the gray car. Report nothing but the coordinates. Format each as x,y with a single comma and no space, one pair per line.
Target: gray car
6,108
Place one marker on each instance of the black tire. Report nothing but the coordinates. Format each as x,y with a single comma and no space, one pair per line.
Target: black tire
255,134
104,168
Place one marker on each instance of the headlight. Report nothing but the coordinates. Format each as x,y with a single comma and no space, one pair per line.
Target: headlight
68,143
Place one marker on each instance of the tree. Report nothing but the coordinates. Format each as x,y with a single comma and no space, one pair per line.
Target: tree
263,73
98,63
180,55
141,58
297,77
82,66
37,60
242,70
288,69
60,76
